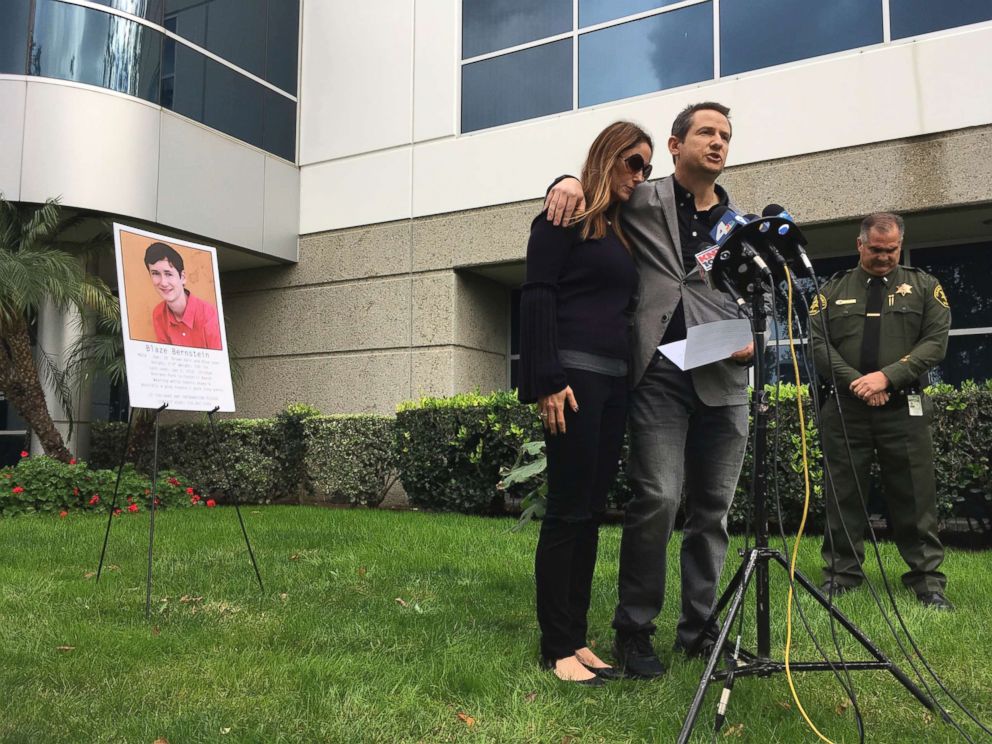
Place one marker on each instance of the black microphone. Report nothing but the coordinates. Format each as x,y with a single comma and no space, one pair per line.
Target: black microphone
787,236
717,280
730,231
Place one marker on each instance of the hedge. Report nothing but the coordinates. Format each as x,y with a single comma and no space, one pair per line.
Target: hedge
348,459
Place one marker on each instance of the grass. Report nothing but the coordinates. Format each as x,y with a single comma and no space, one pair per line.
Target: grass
392,627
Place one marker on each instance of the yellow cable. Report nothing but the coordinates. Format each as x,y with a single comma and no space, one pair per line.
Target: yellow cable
802,523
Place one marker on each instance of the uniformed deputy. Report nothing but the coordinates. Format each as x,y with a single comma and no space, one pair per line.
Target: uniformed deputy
887,326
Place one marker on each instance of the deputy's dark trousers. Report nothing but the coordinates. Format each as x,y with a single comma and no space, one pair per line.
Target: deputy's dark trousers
676,440
905,458
582,465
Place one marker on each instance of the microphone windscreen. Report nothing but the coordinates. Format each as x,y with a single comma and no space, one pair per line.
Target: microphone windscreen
717,214
750,217
772,210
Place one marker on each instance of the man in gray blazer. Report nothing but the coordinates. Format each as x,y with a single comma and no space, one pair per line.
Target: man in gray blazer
687,429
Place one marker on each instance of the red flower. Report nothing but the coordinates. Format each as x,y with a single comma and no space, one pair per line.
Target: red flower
157,502
95,500
195,499
24,453
117,510
72,461
189,491
211,503
75,492
63,514
174,481
133,508
18,489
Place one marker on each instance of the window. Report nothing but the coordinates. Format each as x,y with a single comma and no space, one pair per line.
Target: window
75,43
762,33
260,36
913,17
148,9
592,12
523,85
659,52
14,35
488,25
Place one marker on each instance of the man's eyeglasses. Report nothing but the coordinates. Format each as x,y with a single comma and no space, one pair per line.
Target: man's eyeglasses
636,163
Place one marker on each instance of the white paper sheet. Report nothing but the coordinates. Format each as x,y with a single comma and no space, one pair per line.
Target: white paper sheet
708,343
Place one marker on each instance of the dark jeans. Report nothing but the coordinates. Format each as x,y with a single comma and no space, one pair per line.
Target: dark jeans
582,464
676,441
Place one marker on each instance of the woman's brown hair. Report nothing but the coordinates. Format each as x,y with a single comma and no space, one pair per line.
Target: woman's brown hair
597,179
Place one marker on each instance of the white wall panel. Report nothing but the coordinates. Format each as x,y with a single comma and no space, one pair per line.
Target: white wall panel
355,191
209,184
282,210
435,68
12,99
96,150
935,84
356,89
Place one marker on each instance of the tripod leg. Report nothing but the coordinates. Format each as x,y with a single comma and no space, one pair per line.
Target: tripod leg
237,508
113,501
746,573
151,524
860,637
725,597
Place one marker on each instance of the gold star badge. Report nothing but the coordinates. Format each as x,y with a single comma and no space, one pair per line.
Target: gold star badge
903,289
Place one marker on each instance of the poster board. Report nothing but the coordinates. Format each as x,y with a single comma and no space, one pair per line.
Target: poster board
172,319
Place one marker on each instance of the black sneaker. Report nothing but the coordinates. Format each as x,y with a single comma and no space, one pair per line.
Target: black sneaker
635,656
936,601
830,586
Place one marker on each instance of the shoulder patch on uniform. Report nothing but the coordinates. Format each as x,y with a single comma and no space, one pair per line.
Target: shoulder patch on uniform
938,294
819,302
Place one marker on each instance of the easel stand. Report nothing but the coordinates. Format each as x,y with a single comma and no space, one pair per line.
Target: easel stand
754,568
154,500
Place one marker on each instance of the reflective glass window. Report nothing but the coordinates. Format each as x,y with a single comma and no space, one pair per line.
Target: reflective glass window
489,25
968,358
913,17
523,85
14,36
279,126
762,33
592,12
150,9
282,44
232,29
75,43
963,271
663,51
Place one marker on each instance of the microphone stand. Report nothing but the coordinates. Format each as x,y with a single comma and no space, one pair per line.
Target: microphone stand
754,568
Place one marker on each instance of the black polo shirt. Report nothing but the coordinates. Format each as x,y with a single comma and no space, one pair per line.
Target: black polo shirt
694,229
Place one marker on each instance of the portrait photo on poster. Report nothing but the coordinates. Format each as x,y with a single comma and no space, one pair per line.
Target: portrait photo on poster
172,320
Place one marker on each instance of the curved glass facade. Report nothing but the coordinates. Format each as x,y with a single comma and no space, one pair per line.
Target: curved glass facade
71,42
629,48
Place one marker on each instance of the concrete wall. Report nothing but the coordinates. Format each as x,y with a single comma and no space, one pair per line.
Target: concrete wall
377,314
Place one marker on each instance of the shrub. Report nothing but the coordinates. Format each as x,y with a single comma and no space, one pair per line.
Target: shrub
348,459
450,450
248,454
291,423
44,484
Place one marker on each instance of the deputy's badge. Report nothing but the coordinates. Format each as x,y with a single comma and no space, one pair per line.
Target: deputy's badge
819,302
938,294
903,289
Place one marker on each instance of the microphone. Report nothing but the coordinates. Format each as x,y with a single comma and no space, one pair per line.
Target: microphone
718,280
787,236
728,231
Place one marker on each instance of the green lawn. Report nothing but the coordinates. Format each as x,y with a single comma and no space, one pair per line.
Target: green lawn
388,627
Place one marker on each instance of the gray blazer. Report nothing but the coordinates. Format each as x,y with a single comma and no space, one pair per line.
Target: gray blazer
651,223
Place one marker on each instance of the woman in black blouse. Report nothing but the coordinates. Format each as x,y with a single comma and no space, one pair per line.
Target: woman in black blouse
574,311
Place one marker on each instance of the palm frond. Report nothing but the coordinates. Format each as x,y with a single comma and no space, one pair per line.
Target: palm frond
56,379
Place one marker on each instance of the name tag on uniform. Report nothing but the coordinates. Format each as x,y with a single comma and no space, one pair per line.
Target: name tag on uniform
915,405
844,302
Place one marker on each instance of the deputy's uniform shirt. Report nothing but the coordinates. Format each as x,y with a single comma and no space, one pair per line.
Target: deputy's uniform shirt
915,319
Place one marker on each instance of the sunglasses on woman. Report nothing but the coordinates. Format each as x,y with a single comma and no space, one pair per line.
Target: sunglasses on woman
636,163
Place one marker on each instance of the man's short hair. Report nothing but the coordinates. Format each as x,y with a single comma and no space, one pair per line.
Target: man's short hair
882,222
682,123
157,251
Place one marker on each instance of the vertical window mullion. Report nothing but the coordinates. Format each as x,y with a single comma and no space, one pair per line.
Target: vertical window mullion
575,55
886,23
716,39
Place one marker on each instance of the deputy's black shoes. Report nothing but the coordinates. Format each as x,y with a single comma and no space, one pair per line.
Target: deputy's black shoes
831,587
935,600
635,656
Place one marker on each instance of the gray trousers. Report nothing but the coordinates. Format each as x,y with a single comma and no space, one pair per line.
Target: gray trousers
676,441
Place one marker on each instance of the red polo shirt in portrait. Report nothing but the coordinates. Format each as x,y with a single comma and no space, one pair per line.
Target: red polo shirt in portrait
198,327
